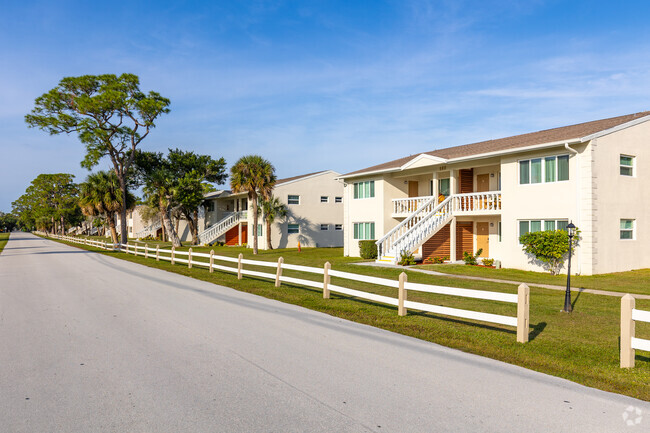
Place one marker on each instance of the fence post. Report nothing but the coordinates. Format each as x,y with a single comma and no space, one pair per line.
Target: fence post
241,256
211,260
278,273
135,249
189,259
157,253
326,280
523,311
627,331
401,310
173,249
146,251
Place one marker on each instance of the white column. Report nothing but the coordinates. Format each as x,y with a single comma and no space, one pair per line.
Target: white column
239,235
453,182
452,240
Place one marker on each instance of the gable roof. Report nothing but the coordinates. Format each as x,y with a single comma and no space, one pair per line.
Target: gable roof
303,176
565,133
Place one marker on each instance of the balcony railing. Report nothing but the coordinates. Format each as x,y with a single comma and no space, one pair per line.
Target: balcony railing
475,202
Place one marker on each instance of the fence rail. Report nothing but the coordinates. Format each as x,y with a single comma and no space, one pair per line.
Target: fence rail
522,298
629,342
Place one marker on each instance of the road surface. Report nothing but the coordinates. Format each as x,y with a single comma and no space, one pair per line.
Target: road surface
90,343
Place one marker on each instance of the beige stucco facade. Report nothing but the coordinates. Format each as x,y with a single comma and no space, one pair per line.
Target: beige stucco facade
596,197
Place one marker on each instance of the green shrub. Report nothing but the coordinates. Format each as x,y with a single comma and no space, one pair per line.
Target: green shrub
368,249
406,258
488,262
470,259
549,247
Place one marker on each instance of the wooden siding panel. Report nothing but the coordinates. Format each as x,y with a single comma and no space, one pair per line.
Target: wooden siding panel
439,244
466,181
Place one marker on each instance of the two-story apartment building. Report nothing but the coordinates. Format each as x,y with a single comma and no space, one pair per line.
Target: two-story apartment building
485,195
314,204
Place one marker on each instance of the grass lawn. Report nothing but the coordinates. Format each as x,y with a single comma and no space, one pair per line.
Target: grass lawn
4,237
582,346
625,282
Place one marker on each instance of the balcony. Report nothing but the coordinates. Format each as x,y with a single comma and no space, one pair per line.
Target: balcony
475,203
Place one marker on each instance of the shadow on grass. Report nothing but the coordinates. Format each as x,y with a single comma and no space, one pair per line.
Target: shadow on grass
575,301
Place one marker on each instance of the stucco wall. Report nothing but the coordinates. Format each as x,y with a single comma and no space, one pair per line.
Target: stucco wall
624,197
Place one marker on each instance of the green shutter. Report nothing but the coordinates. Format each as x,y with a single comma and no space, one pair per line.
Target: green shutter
524,172
549,226
372,188
536,226
563,167
549,169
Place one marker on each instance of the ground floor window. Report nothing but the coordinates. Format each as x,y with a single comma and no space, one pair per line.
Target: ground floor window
627,229
293,228
338,227
530,226
324,227
364,231
259,230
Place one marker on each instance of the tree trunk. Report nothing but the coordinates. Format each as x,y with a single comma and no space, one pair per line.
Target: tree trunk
62,226
169,228
124,234
111,224
268,234
255,216
195,228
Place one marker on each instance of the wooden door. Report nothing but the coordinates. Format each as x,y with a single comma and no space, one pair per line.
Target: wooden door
483,239
413,188
482,182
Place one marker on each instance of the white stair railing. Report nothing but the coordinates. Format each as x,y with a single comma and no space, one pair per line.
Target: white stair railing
149,231
212,233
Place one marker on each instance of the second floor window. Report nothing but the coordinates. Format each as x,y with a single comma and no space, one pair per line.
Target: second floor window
364,189
627,229
627,165
324,199
293,199
547,169
443,187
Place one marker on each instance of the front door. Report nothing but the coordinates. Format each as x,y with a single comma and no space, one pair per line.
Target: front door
483,239
413,188
482,182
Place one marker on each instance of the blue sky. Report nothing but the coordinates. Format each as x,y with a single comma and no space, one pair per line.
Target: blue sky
315,85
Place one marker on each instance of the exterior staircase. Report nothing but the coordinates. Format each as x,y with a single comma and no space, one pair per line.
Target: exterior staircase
430,216
149,231
211,234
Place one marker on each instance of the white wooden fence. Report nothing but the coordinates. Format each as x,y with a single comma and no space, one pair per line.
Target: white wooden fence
629,342
522,298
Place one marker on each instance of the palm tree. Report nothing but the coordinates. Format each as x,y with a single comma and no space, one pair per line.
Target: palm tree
101,194
271,208
256,176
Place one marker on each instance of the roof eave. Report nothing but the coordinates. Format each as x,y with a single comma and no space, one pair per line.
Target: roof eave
615,129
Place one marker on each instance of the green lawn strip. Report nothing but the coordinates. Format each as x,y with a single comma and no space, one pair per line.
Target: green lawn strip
4,237
582,347
626,282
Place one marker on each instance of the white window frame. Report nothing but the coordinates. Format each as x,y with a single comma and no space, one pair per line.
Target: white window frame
632,230
338,227
324,199
632,167
338,199
542,224
543,169
359,190
357,225
324,227
297,227
289,198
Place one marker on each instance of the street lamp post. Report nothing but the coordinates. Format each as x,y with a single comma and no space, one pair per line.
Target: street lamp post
567,296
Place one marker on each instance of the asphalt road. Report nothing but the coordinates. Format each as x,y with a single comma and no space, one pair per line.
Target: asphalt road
90,343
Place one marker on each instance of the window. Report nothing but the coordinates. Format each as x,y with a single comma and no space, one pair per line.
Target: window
364,231
531,226
443,187
499,230
293,199
338,199
548,169
324,199
338,227
627,166
259,230
627,229
293,228
364,189
324,227
209,206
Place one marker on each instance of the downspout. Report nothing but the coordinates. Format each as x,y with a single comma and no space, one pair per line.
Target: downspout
578,200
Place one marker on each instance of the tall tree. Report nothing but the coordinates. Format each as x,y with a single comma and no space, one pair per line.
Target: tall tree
272,209
195,174
101,195
50,197
155,172
109,114
256,176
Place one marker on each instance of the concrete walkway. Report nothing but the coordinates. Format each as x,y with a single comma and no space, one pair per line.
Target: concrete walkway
494,280
91,343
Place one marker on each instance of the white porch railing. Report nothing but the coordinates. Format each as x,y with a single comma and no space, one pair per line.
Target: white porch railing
409,205
428,218
212,233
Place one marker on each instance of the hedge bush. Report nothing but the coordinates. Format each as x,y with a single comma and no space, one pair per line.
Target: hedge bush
368,249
